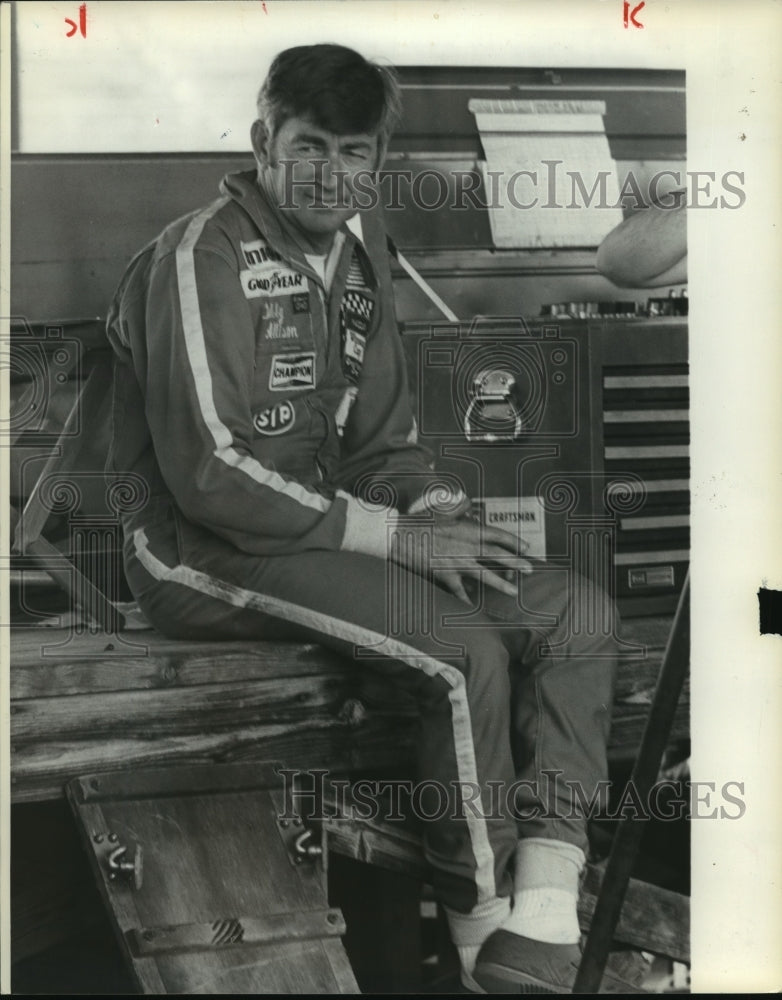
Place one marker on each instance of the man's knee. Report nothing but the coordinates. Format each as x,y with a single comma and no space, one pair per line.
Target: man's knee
586,615
478,672
486,673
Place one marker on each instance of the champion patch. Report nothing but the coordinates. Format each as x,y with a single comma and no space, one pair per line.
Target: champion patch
275,419
292,371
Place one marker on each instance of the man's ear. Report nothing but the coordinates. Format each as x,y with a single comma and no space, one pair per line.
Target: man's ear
259,135
382,149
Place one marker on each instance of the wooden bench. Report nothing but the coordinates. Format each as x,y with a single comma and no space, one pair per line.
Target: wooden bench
95,702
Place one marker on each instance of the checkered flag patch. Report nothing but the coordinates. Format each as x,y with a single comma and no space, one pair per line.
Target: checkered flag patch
357,302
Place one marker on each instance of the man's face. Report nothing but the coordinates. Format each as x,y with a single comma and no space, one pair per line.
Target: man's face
315,190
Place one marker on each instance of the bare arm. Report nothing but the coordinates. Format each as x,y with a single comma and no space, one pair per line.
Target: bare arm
648,249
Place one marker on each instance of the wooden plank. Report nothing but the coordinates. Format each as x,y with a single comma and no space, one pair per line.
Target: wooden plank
55,662
94,824
160,671
209,857
341,970
154,782
652,918
88,709
178,711
39,770
236,932
276,700
92,403
74,672
85,663
84,595
27,645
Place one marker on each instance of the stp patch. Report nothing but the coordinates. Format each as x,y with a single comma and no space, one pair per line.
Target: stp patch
275,419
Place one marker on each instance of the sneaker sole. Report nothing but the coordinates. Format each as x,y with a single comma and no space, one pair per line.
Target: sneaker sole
496,978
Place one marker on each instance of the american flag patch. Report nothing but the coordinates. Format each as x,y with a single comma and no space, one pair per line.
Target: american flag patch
355,278
359,273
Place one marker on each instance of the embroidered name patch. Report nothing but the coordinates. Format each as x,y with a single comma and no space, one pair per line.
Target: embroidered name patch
275,419
273,322
292,371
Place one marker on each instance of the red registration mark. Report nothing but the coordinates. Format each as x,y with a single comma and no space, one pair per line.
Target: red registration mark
629,15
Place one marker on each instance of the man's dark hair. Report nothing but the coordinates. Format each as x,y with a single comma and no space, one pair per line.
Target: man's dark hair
335,87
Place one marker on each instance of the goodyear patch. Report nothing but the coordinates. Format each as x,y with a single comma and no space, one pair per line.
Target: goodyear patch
271,280
292,371
275,419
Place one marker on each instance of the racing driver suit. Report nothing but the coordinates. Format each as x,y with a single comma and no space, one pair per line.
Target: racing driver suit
263,404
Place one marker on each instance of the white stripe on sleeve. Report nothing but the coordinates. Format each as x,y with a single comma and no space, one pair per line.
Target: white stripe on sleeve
196,352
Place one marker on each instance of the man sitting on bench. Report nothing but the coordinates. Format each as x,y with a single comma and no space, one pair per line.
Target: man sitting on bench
260,391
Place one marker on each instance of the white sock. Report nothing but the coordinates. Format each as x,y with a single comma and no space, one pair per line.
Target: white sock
545,894
468,955
470,930
545,915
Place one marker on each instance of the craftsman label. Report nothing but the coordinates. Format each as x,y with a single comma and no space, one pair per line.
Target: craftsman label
292,371
650,576
275,419
521,516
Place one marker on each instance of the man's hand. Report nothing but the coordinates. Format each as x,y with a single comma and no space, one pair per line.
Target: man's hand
446,550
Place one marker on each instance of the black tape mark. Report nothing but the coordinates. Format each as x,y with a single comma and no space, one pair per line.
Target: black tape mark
770,602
